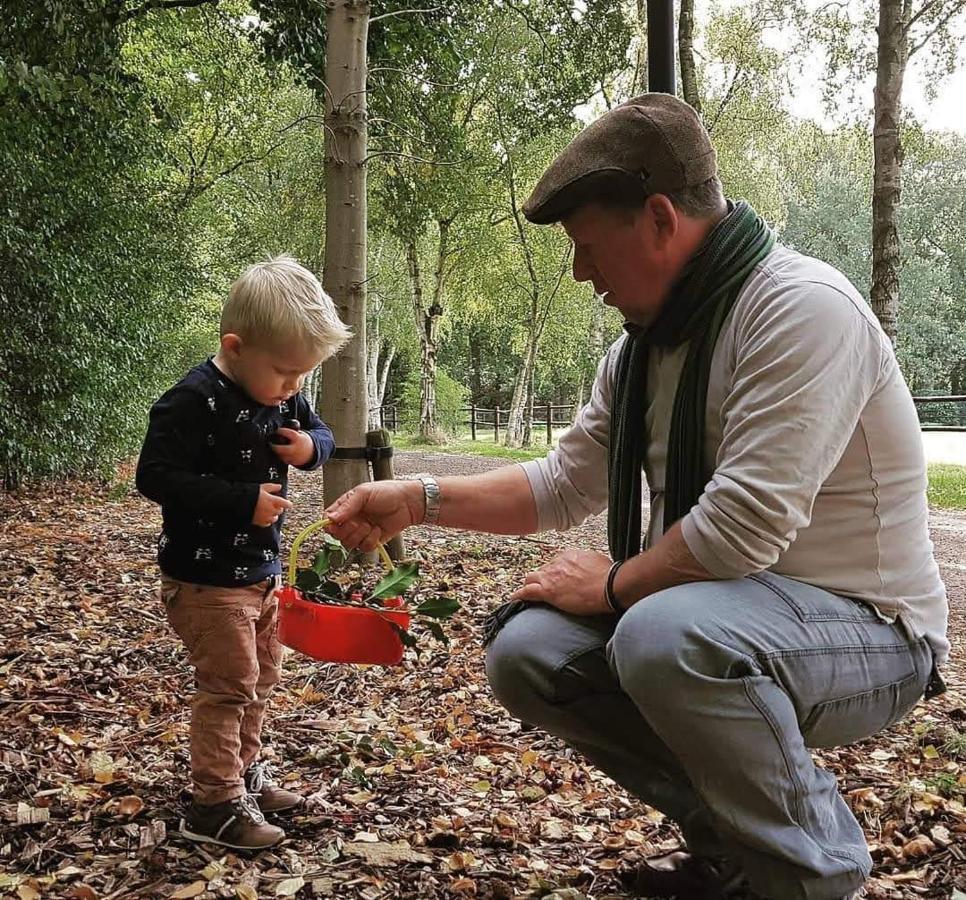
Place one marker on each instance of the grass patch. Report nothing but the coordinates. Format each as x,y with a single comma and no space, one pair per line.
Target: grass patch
947,486
471,448
947,483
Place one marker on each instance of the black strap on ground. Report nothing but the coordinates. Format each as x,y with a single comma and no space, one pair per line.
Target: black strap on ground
367,453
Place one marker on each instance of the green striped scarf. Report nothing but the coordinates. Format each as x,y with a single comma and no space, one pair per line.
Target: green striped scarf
694,311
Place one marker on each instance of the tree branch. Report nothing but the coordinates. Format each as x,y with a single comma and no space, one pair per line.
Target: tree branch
125,15
402,12
398,155
942,23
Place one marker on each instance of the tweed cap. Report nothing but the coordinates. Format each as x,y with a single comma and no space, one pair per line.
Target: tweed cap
652,144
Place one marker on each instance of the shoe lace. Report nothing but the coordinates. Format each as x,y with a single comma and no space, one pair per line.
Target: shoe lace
259,777
248,806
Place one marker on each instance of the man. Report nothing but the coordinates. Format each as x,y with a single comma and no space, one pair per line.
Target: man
787,597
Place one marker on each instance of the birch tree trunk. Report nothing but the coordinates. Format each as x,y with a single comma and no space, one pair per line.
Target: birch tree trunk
344,394
689,72
887,172
427,327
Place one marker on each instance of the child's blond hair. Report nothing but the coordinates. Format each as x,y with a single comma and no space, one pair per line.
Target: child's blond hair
277,302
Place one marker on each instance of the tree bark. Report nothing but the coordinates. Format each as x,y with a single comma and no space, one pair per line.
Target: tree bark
639,80
344,394
887,171
689,72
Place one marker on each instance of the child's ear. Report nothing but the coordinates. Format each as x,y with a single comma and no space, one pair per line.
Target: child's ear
231,344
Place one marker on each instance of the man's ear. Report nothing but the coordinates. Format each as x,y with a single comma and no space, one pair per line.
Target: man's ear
231,344
663,219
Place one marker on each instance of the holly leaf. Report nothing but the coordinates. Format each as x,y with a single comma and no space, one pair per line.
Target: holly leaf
396,581
307,580
437,607
407,639
436,630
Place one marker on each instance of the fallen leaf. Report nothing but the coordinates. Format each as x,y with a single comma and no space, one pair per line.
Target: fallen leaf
131,805
290,887
918,847
245,892
460,861
386,853
532,793
190,890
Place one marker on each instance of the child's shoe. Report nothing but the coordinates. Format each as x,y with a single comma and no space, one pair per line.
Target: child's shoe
237,823
269,796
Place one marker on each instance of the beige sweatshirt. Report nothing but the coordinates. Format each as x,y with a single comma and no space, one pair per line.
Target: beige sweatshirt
813,440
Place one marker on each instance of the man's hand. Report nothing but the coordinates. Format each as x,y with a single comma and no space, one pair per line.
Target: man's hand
373,513
270,506
299,451
573,582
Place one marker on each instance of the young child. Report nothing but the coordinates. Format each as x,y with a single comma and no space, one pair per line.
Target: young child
216,458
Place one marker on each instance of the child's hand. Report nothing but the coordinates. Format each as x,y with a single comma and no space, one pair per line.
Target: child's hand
299,451
270,506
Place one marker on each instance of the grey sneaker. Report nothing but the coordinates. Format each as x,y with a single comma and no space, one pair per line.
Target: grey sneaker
237,823
269,796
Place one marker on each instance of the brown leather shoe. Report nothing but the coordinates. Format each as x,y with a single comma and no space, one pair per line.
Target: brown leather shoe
269,796
686,877
237,823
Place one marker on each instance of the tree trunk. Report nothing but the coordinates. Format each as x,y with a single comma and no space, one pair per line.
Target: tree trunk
516,418
344,392
689,72
639,80
887,173
427,327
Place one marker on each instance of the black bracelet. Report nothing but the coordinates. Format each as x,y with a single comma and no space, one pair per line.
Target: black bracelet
609,589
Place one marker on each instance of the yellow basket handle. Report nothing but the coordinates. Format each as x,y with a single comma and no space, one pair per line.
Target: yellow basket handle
293,555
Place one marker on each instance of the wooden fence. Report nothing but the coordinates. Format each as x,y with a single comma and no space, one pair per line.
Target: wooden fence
940,413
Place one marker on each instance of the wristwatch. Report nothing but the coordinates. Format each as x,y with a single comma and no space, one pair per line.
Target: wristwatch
430,495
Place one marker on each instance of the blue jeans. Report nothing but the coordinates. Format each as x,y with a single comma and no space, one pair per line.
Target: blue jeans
703,701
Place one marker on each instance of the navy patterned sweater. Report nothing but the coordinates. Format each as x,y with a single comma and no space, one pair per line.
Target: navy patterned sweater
204,456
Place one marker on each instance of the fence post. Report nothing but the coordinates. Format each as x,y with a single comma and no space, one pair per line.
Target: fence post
496,425
473,420
395,421
382,470
549,425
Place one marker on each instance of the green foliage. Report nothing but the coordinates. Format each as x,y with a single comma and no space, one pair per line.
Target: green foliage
947,486
87,290
451,396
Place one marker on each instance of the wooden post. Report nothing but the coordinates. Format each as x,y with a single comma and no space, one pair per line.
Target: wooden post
382,470
549,425
496,425
395,421
473,420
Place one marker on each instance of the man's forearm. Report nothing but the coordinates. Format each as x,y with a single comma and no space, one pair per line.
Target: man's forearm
500,502
667,564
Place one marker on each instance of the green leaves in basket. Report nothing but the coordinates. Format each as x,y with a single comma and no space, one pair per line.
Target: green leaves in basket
437,607
407,639
396,581
332,555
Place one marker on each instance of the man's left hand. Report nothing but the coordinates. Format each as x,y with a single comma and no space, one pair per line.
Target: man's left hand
299,451
573,582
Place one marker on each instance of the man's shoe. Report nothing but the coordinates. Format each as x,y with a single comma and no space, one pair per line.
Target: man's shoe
237,823
686,877
269,796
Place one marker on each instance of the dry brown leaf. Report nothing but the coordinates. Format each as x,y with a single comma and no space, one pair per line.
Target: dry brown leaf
463,886
386,853
245,892
460,861
918,847
290,886
131,805
189,890
82,892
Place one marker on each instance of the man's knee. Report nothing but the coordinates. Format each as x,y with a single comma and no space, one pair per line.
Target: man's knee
514,667
668,639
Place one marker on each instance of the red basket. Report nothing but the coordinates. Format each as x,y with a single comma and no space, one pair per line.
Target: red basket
345,634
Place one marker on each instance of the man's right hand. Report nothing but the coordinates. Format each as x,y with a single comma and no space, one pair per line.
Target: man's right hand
270,506
373,513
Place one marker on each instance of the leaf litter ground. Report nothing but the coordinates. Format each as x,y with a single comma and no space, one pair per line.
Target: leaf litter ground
419,783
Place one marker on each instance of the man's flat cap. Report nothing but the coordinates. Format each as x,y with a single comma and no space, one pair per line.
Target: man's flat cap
653,144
